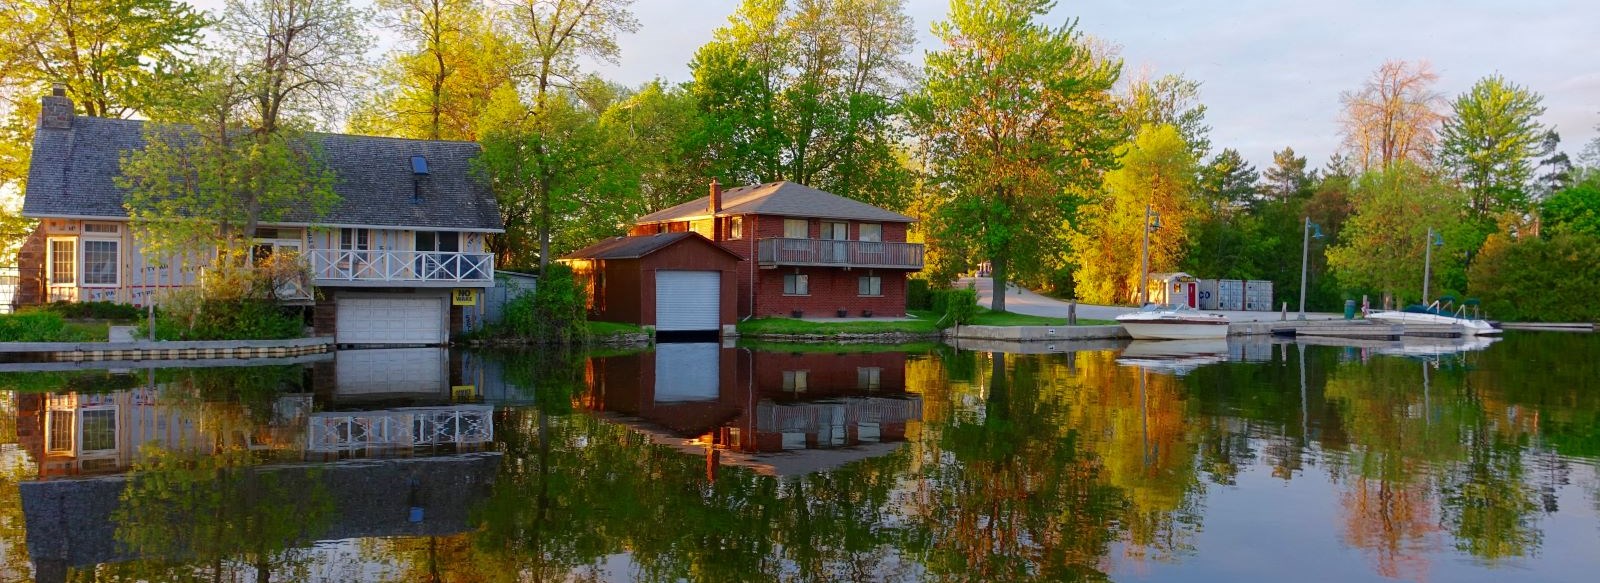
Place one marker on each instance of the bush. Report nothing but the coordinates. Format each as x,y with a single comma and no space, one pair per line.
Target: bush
93,310
955,306
555,313
1538,280
188,317
918,297
37,326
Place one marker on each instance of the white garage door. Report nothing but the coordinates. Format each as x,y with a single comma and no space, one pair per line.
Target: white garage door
688,300
391,321
388,371
687,372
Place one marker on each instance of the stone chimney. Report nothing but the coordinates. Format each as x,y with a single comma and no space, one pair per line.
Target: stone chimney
55,110
715,205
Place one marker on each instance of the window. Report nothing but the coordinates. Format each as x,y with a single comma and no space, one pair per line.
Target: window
835,231
100,262
58,436
869,285
107,228
796,229
63,261
871,232
795,284
355,239
735,227
795,381
99,430
869,377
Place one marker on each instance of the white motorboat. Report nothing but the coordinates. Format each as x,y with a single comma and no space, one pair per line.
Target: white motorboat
1433,315
1174,356
1163,322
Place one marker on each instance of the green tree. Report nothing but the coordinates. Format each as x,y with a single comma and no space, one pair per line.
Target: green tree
1492,144
1574,209
1287,178
1537,278
1382,245
660,159
1228,182
1168,99
1157,169
297,61
437,87
1015,116
806,91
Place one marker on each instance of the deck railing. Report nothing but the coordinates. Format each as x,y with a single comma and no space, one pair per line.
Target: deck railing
401,428
329,266
782,251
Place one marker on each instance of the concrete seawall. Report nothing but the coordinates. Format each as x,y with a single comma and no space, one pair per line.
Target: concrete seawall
1036,333
148,350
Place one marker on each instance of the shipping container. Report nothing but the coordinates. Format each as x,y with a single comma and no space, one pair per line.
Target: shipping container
1208,294
1230,294
1258,296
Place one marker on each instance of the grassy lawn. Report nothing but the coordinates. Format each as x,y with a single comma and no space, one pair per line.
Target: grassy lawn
793,326
987,317
612,328
41,326
835,347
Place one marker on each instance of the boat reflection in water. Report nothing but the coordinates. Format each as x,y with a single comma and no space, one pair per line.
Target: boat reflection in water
1174,356
777,413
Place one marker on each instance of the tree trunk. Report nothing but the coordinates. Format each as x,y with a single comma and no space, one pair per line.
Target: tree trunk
997,274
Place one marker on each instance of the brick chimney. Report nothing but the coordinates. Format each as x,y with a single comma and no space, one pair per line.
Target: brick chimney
55,110
716,198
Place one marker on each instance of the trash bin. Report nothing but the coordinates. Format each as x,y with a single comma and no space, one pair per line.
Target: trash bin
1349,309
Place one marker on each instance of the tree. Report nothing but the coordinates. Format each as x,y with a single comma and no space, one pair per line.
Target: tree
1287,178
1156,170
1382,245
299,60
1014,116
806,91
659,152
1575,209
1492,143
438,86
554,35
1393,117
1168,99
1228,182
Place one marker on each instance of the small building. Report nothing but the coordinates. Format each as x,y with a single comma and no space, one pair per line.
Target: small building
1177,288
399,260
676,282
801,251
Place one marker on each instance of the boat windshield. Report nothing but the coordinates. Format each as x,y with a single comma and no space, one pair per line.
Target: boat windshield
1166,308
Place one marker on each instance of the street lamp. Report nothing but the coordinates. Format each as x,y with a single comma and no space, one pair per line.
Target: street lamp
1311,230
1433,240
1152,221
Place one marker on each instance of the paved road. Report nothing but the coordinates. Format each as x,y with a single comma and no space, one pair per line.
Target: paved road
1024,301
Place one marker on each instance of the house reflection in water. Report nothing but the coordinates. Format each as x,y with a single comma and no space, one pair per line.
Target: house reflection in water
779,413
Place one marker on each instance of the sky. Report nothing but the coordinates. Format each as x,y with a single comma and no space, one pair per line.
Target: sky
1271,71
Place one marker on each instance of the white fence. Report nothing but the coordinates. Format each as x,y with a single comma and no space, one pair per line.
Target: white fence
400,266
400,428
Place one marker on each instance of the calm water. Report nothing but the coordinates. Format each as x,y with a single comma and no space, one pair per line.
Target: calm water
1249,461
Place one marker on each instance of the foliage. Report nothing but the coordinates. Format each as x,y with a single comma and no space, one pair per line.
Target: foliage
1287,178
94,310
806,91
1171,100
1492,142
955,306
1227,183
555,313
1538,279
918,296
1381,247
232,302
986,317
41,326
1574,209
1015,116
1157,169
1393,117
658,161
297,61
790,326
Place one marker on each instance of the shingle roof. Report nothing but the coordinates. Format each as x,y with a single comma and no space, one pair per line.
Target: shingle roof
72,172
637,246
781,198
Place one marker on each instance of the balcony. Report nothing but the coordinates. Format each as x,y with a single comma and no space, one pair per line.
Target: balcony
811,252
338,267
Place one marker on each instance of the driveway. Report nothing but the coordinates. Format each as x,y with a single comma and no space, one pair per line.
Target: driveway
1023,301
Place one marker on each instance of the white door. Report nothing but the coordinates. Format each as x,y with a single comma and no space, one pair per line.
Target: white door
688,300
408,320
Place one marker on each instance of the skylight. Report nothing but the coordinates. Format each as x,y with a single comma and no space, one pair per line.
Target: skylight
419,165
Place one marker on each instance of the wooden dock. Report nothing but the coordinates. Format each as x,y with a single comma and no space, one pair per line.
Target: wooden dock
1365,329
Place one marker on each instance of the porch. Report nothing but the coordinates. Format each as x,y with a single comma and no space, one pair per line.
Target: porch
778,251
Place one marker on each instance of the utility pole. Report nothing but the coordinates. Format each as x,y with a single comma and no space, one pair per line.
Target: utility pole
1427,263
1305,256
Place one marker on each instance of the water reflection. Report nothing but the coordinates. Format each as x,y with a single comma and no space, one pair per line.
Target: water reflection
727,464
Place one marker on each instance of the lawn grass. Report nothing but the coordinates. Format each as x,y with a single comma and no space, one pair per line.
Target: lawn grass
597,328
42,326
987,317
835,347
798,327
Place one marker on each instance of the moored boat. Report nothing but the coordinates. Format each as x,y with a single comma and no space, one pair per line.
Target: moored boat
1163,322
1433,315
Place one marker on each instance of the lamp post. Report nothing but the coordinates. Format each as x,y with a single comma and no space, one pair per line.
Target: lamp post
1305,256
1152,221
1433,240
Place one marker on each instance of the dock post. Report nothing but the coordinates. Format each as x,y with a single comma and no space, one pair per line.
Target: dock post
1072,312
1284,316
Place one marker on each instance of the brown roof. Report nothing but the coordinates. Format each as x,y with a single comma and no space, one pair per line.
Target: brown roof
781,198
638,246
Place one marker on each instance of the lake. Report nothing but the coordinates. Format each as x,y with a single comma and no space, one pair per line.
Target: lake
1247,460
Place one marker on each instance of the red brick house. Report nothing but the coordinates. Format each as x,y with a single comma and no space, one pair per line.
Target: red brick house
801,251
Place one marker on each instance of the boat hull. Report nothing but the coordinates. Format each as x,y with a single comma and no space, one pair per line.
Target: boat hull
1468,327
1175,330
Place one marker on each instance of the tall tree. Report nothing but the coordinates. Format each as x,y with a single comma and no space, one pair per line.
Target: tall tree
300,59
439,83
1228,182
1492,144
1383,244
1394,116
1157,171
1287,178
806,91
1015,115
555,36
658,128
1168,99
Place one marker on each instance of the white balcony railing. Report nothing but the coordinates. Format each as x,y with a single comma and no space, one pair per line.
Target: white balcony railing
329,266
783,251
400,428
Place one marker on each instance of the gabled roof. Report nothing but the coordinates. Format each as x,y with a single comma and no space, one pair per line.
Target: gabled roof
638,246
73,170
781,198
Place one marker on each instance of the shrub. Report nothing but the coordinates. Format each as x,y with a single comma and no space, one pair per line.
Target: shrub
1540,280
918,296
555,313
955,306
233,302
93,310
36,326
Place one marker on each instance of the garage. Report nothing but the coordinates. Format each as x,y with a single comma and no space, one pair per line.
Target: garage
681,283
688,300
397,320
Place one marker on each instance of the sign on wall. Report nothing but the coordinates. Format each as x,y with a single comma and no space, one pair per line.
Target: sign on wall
464,297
